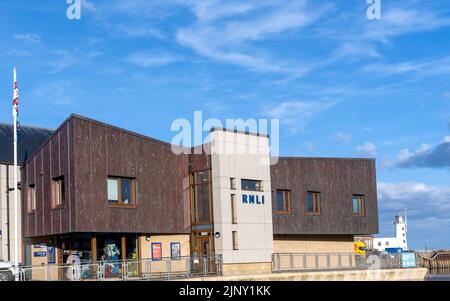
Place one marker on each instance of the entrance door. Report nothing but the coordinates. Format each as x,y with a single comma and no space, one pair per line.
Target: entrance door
204,253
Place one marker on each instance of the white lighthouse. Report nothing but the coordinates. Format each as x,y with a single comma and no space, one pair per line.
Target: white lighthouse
399,241
400,231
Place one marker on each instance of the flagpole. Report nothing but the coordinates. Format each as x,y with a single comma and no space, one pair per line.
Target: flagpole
16,202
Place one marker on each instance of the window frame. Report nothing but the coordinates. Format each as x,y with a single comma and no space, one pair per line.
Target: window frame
317,200
286,200
58,187
120,203
260,185
31,198
361,202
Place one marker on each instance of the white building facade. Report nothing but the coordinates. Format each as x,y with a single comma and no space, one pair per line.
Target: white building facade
242,205
7,214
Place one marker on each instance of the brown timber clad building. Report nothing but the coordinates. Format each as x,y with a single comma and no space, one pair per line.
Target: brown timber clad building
108,193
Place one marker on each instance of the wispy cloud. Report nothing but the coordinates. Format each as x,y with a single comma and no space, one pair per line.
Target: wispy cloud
146,60
87,4
367,149
59,92
340,137
19,53
419,68
238,31
28,37
296,114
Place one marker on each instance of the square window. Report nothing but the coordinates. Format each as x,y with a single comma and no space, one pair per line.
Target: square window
121,191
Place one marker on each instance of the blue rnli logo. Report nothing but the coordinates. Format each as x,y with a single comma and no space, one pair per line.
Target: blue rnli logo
252,199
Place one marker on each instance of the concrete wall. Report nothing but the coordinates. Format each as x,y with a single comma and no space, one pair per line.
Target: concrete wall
371,275
313,244
241,156
4,214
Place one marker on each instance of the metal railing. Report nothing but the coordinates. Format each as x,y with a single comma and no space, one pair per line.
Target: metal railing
142,269
283,262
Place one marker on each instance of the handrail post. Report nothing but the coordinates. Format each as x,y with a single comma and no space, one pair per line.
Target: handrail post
291,259
168,267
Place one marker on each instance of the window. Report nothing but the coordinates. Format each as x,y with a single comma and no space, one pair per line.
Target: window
232,183
201,199
251,185
282,201
121,191
358,205
235,240
58,192
313,203
233,209
31,197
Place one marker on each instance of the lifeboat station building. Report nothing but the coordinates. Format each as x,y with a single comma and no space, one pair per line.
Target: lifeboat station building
107,193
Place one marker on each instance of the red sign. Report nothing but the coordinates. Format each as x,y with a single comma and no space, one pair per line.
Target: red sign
156,251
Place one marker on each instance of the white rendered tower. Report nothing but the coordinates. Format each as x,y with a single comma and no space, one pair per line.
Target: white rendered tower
400,231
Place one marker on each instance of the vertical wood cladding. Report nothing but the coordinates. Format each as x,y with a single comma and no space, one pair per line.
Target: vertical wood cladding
85,153
102,151
337,180
51,160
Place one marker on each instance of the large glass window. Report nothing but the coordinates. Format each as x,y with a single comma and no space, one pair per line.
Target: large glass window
251,185
121,191
58,192
358,204
282,201
314,203
201,197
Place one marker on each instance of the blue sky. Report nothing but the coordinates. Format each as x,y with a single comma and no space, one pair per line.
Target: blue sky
341,84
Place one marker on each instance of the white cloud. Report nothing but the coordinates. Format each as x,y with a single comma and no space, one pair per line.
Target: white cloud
341,137
368,149
425,156
146,60
428,210
28,37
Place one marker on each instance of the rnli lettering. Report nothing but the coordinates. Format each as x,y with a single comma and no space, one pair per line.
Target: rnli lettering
253,199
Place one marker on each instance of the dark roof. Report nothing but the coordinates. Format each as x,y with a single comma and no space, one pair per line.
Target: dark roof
30,140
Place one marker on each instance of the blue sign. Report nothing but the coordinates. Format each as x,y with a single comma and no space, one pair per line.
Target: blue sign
40,254
253,199
409,260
